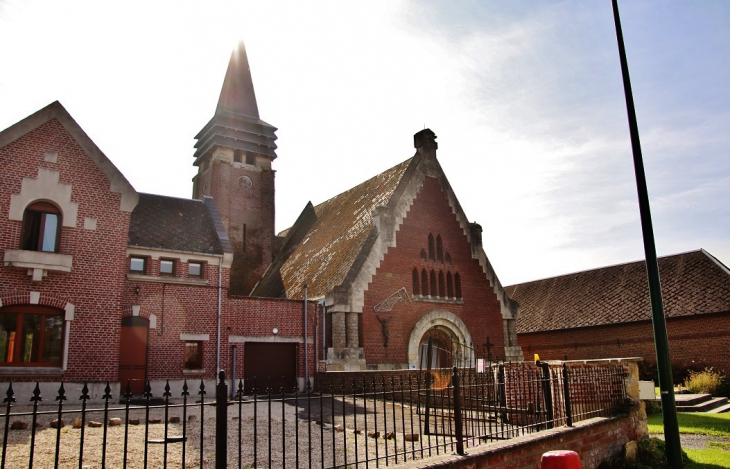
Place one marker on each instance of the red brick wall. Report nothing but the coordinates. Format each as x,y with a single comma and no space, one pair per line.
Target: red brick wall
259,316
479,310
94,286
253,207
186,309
191,309
693,341
594,441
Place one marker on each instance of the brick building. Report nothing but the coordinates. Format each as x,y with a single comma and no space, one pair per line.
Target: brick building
606,312
102,283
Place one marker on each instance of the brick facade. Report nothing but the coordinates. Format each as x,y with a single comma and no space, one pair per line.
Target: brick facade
695,341
477,306
94,285
100,290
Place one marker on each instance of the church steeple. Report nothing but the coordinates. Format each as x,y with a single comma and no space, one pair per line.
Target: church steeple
237,95
236,123
234,155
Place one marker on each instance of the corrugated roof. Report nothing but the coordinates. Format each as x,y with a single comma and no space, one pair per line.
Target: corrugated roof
692,283
169,223
328,251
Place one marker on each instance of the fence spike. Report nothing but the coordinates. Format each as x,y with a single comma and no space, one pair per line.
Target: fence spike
9,394
107,391
36,393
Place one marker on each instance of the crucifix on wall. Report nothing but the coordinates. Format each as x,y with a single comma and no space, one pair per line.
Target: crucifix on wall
384,326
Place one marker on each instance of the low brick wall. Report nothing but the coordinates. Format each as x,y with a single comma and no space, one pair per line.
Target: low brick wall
595,440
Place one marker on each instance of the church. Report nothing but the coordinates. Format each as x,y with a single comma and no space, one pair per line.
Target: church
101,283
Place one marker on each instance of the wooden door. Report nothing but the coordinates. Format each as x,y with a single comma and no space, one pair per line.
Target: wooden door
273,365
133,353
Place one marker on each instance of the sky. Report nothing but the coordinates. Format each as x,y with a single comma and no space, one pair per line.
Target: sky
526,99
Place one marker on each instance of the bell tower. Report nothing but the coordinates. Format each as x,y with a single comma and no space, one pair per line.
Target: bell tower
234,155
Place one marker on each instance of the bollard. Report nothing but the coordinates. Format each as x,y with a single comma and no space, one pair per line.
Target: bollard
561,459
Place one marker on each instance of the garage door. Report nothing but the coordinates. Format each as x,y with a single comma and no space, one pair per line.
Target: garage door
273,365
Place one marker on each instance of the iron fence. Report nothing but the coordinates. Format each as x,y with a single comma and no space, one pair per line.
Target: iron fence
366,419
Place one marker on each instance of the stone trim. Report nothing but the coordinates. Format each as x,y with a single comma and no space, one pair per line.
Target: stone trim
45,187
194,337
436,317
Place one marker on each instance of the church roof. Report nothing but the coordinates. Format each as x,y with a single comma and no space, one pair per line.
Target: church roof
692,283
336,231
169,223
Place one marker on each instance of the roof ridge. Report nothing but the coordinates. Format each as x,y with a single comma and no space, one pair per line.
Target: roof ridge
716,261
364,182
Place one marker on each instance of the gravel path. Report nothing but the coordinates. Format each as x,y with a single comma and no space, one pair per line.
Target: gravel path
699,441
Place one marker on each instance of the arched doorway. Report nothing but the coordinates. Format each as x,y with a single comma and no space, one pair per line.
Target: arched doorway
133,353
441,343
445,327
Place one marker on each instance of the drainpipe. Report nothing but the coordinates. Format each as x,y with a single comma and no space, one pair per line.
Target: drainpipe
324,329
220,289
306,349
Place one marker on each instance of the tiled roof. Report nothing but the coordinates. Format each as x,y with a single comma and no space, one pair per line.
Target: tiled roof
343,224
692,283
169,223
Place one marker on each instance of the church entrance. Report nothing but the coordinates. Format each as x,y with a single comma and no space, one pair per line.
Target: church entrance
449,340
133,353
441,347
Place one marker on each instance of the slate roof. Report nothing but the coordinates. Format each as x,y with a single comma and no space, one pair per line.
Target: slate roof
169,223
692,283
343,225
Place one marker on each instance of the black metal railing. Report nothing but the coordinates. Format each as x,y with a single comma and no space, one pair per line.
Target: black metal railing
365,419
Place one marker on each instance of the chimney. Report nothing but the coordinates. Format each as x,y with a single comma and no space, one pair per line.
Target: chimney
425,139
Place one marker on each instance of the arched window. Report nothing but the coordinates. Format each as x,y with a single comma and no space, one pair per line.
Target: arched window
31,335
449,285
439,249
424,283
41,228
434,292
416,283
457,285
431,254
448,259
423,255
442,288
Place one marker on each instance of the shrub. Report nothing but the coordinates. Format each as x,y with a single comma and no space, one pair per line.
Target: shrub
704,382
653,407
652,454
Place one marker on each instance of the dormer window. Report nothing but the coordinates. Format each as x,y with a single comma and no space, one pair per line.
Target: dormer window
41,228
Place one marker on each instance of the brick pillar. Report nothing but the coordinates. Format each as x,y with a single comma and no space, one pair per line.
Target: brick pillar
638,407
353,335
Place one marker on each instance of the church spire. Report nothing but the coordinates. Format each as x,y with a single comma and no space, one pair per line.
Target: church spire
237,94
236,124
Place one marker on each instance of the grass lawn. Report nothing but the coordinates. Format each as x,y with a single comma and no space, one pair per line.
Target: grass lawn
716,455
695,423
